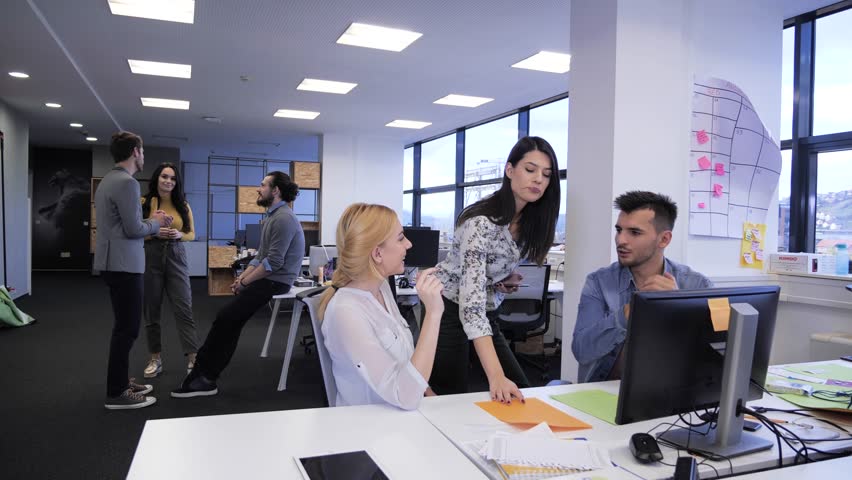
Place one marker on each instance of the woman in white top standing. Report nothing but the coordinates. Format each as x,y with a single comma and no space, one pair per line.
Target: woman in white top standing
373,356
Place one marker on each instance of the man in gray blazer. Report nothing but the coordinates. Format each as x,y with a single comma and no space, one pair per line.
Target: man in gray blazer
120,257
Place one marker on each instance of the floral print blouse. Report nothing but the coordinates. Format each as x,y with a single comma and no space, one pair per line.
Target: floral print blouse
483,254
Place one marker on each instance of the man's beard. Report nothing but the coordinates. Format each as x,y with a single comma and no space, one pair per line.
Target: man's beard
264,201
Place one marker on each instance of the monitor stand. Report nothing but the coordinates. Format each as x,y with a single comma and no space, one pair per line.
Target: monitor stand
728,438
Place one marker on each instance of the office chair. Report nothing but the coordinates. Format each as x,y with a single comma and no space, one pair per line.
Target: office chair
311,299
525,313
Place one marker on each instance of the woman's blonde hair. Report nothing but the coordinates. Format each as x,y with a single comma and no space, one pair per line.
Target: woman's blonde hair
361,228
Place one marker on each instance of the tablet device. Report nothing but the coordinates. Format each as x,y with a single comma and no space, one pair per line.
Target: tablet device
341,466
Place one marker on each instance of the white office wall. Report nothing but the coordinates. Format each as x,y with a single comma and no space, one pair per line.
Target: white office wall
17,202
357,169
633,64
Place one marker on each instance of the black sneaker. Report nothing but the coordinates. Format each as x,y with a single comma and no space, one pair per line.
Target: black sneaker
128,400
195,385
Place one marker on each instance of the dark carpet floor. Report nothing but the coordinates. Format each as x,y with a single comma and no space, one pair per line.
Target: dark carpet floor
53,422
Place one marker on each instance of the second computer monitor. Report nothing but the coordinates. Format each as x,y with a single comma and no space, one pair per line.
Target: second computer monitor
424,247
253,235
674,357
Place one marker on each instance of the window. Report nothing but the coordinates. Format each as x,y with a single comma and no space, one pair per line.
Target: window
250,172
438,162
478,192
408,168
787,61
784,202
195,191
407,209
437,211
305,206
832,74
834,200
550,122
486,148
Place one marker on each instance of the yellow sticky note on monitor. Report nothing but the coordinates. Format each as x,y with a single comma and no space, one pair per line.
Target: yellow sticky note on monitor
720,313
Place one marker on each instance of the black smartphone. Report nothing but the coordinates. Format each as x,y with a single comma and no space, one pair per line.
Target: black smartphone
848,358
751,426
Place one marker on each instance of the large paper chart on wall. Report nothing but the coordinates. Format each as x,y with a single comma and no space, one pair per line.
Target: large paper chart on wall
734,162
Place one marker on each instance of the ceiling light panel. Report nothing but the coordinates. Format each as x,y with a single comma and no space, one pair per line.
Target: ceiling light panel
18,75
92,139
382,38
75,125
463,101
546,62
301,114
143,67
165,103
182,11
52,105
326,86
408,124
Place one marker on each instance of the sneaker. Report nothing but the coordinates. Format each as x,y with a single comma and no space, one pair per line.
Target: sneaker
140,389
128,400
154,368
195,385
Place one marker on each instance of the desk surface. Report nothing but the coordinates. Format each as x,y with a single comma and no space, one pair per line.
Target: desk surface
825,469
263,445
463,422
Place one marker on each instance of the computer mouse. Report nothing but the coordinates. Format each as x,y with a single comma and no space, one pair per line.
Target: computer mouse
644,447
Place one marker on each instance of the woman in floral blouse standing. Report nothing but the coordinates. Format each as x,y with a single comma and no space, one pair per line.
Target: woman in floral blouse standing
492,236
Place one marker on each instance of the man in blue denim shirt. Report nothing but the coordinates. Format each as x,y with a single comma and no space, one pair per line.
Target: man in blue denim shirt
642,232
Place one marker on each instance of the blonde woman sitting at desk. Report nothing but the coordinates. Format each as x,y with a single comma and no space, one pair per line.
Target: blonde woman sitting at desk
373,356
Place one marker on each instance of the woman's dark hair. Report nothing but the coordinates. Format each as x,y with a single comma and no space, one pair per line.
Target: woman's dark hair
288,188
538,219
178,199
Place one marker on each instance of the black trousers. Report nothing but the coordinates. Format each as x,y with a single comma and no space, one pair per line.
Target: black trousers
126,293
452,355
221,342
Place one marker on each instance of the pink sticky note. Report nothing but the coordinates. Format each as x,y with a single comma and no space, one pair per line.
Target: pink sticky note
717,190
703,163
720,169
701,205
702,137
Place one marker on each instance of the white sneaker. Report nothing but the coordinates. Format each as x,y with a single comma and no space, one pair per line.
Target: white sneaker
154,368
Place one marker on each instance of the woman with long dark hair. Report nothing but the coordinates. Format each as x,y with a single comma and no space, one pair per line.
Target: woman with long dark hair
166,268
492,237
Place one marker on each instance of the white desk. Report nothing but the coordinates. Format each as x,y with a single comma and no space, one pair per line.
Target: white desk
461,421
822,470
262,445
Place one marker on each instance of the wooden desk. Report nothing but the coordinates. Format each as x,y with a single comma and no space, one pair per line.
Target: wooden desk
220,276
263,445
462,422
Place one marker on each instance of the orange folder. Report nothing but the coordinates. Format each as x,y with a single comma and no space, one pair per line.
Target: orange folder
531,413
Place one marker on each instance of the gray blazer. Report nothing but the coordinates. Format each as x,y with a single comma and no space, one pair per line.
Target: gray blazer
121,231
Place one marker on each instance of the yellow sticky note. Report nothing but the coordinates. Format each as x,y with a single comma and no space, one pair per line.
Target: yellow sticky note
720,313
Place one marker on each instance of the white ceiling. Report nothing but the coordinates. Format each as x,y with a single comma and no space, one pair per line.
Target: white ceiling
467,47
76,53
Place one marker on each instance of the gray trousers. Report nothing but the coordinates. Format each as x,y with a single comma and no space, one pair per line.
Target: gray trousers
166,270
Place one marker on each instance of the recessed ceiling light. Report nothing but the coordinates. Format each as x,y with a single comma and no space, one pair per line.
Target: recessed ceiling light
284,113
382,38
546,62
18,75
76,125
52,105
92,139
327,86
165,103
408,124
212,119
178,70
182,11
463,100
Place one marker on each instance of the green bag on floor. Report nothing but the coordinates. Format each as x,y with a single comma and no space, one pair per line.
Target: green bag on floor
10,315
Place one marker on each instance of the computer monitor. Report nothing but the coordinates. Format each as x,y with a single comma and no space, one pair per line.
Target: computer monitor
322,256
253,235
311,239
424,247
240,238
676,362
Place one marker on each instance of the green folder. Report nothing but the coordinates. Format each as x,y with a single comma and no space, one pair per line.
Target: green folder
596,403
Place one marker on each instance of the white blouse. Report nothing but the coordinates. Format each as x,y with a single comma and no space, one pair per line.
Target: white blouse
371,350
